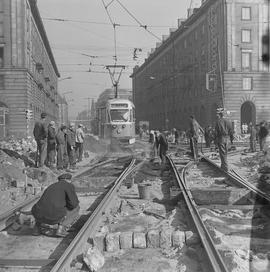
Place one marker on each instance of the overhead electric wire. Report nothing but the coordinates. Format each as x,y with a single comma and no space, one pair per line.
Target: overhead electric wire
140,24
101,23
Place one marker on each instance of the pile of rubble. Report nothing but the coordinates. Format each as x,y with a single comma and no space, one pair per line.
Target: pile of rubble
21,146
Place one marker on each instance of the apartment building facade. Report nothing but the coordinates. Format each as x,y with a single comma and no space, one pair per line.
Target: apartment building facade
213,59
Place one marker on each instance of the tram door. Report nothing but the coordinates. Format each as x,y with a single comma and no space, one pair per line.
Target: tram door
3,122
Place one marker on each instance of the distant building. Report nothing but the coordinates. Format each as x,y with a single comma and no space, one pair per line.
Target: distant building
212,59
28,72
62,111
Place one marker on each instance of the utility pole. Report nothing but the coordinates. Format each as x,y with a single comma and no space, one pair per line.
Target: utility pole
88,110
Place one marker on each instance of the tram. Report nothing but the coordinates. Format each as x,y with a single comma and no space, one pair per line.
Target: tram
117,121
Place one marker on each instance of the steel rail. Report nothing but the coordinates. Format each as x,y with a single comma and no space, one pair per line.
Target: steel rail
12,212
79,243
215,258
236,177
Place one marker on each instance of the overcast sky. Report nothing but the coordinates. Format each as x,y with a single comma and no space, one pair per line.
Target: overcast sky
93,36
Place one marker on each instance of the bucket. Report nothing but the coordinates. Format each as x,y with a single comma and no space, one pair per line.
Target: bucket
144,190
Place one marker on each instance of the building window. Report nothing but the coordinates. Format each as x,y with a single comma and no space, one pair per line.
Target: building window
246,61
1,56
246,13
246,35
247,83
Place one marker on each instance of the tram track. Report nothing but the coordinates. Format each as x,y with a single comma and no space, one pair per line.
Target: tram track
214,196
105,191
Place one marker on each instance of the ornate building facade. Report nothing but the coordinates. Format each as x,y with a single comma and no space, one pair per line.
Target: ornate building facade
28,72
213,59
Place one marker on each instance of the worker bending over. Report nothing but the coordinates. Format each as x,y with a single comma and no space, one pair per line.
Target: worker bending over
59,204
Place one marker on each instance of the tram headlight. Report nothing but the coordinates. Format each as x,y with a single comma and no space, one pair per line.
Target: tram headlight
114,126
123,126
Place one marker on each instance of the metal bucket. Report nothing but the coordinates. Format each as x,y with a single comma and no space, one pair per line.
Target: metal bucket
144,190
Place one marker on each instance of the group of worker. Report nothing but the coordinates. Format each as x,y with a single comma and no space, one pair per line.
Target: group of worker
63,147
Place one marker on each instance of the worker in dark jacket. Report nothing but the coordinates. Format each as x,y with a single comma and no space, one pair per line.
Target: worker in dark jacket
162,146
253,136
71,145
61,147
58,204
51,144
194,133
263,132
223,133
41,133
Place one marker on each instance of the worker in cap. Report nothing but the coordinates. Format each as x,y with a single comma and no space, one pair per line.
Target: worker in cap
71,146
40,134
61,148
223,133
79,142
194,133
58,204
51,144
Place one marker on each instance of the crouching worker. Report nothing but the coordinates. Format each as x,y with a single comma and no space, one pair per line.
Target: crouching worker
59,204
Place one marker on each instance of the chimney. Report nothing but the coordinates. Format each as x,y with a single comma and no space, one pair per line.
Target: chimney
189,12
180,21
165,37
172,30
158,44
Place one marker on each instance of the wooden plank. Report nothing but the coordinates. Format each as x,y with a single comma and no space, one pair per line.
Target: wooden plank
26,262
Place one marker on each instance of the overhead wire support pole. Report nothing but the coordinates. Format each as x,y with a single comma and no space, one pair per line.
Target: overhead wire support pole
115,82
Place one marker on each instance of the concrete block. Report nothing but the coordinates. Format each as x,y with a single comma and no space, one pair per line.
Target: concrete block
192,238
178,238
126,240
112,242
139,240
99,242
165,238
152,238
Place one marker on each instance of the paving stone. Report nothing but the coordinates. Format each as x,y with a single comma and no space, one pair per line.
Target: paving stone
178,238
112,242
152,238
165,238
192,238
126,239
139,240
99,242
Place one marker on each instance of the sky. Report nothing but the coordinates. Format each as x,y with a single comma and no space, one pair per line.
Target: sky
85,40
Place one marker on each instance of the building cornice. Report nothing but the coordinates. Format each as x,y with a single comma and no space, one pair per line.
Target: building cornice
41,28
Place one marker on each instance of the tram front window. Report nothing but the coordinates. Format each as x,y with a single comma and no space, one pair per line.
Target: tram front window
119,115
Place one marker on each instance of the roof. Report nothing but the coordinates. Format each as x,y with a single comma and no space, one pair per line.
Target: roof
41,28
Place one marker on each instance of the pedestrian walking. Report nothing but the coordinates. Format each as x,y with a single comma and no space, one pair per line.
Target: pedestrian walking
40,134
79,142
71,144
223,133
194,131
263,131
162,144
252,139
58,204
61,147
51,144
176,136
